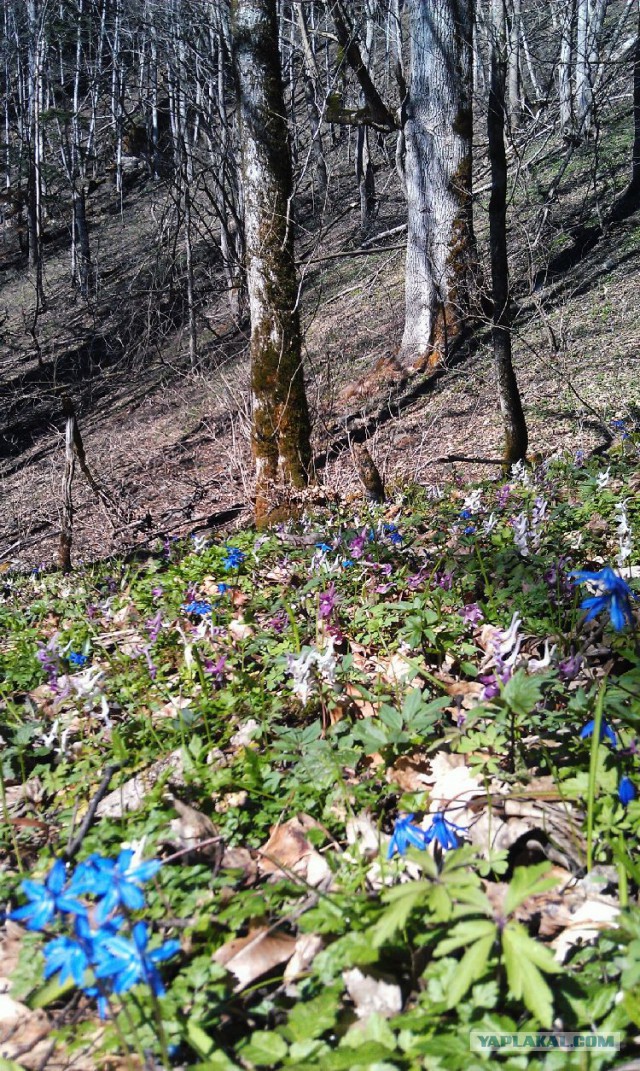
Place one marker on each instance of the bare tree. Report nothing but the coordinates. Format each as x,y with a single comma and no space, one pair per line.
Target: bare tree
438,133
515,428
281,426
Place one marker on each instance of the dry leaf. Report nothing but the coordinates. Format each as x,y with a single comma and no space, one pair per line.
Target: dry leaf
307,947
371,996
240,859
288,849
248,958
240,630
411,773
135,793
190,828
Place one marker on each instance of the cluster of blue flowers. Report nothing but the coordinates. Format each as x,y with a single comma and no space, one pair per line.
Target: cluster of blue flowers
197,607
101,958
234,558
407,835
77,658
614,597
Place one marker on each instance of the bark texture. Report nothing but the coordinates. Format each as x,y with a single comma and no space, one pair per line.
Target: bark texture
515,428
438,133
280,414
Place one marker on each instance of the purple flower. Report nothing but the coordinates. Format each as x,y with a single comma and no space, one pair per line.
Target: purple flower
471,614
327,602
569,668
626,791
154,626
406,835
357,545
216,669
503,495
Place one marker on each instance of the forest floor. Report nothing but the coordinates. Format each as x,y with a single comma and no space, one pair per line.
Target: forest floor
172,444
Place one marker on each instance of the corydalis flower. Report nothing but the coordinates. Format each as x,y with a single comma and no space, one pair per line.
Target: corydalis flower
309,668
471,614
614,596
327,602
624,533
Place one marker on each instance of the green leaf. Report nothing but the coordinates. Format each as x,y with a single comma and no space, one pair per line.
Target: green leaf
392,718
402,899
527,881
264,1049
521,693
472,966
308,1019
465,932
523,956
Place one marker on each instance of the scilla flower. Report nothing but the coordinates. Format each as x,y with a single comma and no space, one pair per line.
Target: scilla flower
614,596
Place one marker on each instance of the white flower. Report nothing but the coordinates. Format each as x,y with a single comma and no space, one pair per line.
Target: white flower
536,664
489,525
521,533
473,501
305,679
625,535
602,479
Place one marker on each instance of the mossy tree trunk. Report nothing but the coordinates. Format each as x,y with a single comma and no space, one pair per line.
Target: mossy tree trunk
281,426
515,427
438,134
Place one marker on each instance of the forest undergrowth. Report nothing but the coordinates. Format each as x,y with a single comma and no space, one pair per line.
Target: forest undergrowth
332,795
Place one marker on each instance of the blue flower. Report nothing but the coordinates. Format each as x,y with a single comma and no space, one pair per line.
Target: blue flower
222,588
126,962
626,791
446,833
76,658
605,731
405,835
198,607
115,881
465,514
347,563
394,535
68,956
615,596
234,558
47,899
470,529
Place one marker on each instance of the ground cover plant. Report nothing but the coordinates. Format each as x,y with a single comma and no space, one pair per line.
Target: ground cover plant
335,794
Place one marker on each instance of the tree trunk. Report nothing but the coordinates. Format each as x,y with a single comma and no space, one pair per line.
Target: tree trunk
515,427
565,68
281,425
440,243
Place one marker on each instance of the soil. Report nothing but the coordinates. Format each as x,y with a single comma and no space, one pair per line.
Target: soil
171,443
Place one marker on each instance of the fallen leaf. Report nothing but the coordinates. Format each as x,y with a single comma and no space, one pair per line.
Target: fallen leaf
248,958
307,947
191,828
135,792
288,849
